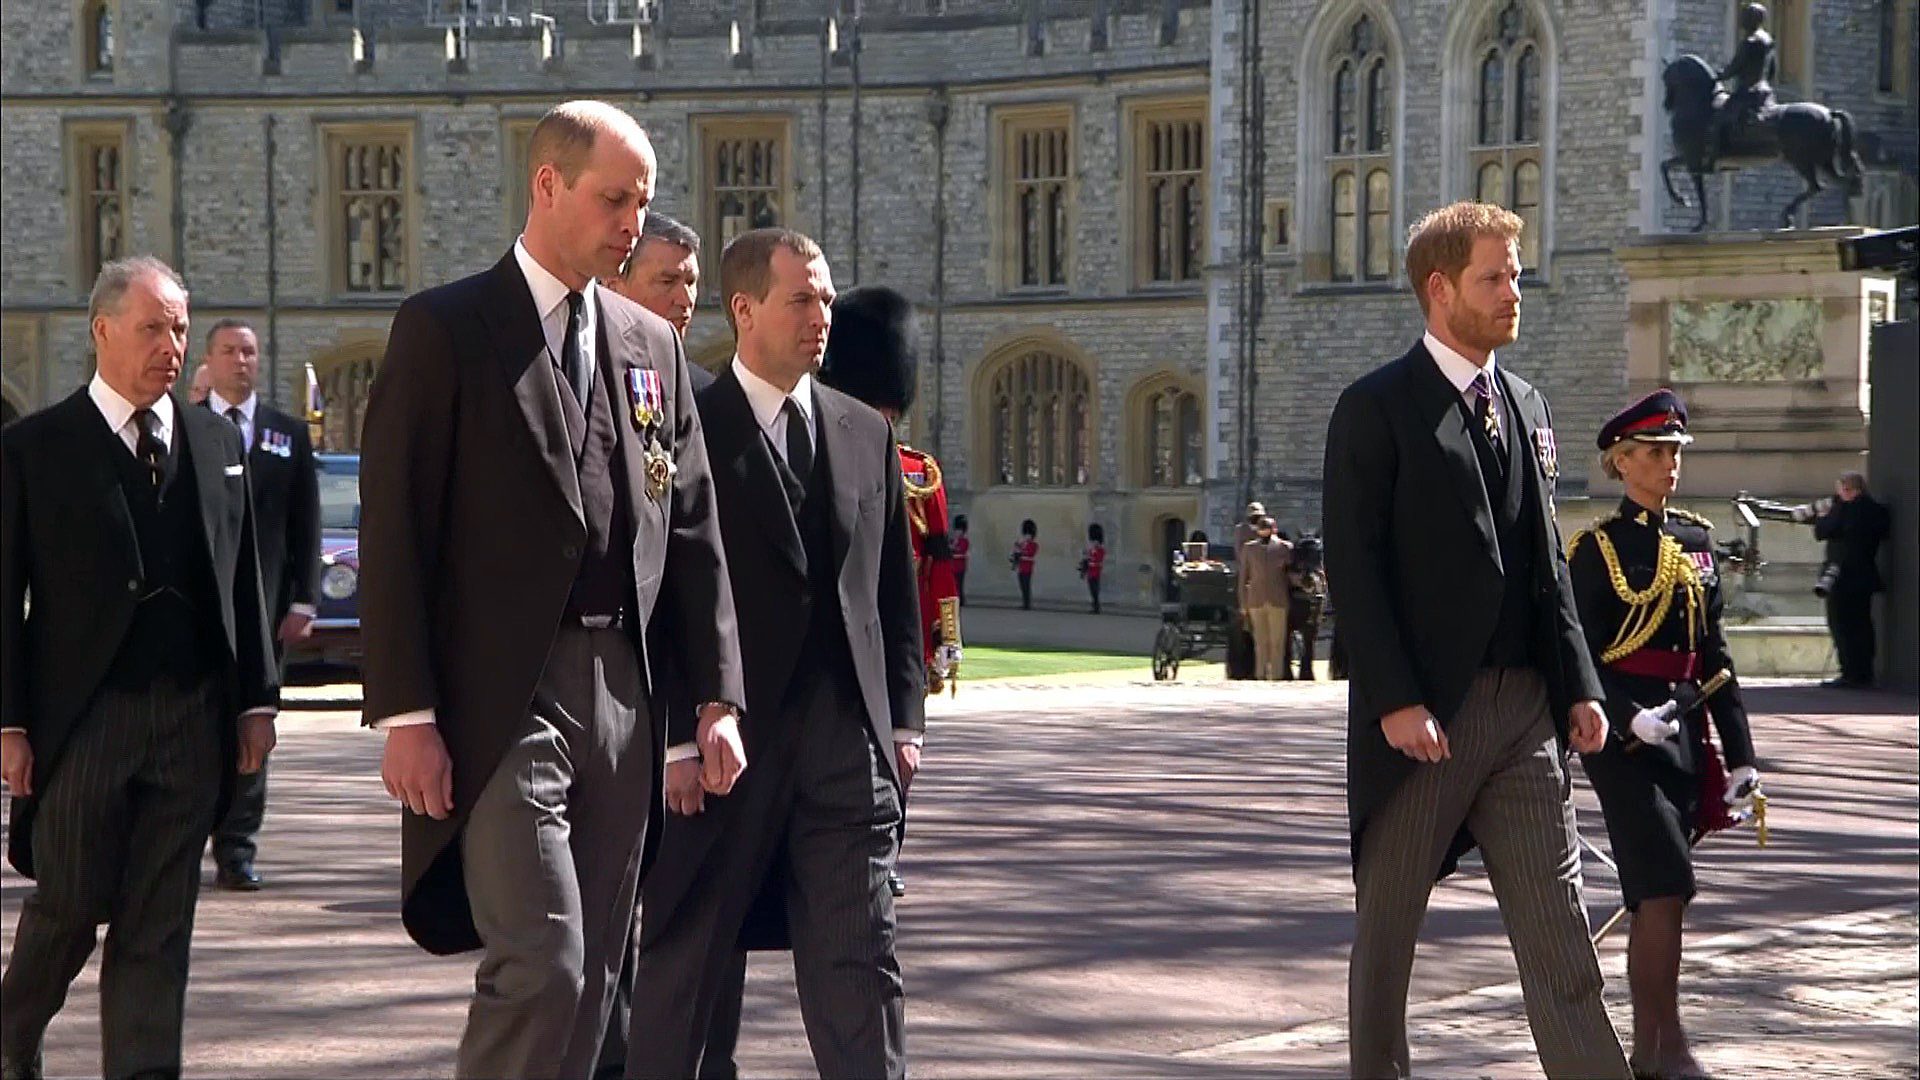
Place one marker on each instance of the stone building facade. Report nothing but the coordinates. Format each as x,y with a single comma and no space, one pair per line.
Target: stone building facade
1137,315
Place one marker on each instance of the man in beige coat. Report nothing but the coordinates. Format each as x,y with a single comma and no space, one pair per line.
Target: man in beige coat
1263,595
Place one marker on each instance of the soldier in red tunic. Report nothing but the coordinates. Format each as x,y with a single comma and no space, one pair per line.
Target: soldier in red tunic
873,355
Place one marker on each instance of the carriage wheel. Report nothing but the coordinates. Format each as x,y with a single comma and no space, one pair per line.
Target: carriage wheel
1167,646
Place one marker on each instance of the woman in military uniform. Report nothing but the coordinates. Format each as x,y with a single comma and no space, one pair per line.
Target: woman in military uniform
1649,597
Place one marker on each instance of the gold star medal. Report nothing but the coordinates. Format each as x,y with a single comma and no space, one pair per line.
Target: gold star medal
660,469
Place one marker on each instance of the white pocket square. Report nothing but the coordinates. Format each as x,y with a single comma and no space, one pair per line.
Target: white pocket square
236,470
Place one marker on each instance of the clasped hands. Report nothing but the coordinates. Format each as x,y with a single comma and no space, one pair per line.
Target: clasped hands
723,757
1414,732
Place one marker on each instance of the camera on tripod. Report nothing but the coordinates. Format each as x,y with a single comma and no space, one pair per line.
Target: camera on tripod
1752,511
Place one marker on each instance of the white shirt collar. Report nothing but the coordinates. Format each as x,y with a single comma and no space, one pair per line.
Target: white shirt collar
550,300
118,411
221,405
1459,370
767,399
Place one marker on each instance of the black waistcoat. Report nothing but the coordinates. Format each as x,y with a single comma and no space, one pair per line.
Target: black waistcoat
1512,500
825,649
604,585
176,629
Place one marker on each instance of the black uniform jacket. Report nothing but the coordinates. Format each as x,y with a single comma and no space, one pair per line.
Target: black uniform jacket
1634,627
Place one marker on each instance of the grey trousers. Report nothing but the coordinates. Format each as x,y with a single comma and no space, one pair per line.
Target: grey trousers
552,860
117,840
833,801
1506,781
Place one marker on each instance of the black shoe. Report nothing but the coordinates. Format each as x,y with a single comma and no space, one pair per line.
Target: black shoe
1844,683
238,877
896,886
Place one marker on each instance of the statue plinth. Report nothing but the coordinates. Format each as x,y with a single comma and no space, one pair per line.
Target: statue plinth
1765,338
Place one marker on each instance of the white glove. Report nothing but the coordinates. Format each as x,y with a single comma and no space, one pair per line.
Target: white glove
1654,726
945,659
1743,784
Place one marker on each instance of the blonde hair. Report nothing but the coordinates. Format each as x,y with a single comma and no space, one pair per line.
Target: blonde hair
1610,458
1443,241
564,137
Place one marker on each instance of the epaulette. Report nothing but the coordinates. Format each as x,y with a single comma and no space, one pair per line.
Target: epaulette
1689,517
1574,540
924,480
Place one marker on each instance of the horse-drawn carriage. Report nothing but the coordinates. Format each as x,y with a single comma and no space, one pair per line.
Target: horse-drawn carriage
1205,612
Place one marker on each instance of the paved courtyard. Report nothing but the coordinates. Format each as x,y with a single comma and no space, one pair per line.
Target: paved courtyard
1113,878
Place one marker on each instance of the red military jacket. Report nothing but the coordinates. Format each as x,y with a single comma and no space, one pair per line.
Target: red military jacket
933,555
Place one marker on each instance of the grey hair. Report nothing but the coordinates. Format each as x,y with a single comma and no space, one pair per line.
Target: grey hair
1855,480
659,226
118,276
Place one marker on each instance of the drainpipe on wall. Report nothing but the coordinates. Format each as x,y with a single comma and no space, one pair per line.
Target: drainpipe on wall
853,60
829,34
937,112
273,269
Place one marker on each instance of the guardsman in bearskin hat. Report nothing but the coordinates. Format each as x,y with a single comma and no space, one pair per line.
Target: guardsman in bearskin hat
873,354
1649,595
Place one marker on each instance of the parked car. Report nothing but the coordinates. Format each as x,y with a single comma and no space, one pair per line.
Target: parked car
334,648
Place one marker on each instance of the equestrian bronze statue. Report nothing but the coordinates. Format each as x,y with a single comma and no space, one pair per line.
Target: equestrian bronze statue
1727,119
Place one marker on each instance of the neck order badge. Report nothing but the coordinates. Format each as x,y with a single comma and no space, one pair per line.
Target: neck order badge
649,410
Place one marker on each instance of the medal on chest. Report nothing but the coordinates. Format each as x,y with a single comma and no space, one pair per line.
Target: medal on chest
1547,451
648,401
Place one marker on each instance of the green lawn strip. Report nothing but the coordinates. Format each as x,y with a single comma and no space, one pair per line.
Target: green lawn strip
990,662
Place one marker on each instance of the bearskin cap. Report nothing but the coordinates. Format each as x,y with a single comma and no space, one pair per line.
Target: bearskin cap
873,349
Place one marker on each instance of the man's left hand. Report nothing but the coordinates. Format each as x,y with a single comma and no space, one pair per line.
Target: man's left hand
907,756
1588,726
722,754
297,626
256,741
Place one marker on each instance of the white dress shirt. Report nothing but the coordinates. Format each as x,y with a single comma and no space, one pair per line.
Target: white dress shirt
768,403
118,412
1461,372
550,301
220,406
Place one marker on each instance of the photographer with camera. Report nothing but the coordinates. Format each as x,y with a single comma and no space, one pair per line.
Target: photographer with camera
1853,524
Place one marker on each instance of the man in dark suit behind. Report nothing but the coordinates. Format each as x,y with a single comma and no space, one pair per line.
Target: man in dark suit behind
124,513
534,486
1470,676
1854,524
813,515
286,516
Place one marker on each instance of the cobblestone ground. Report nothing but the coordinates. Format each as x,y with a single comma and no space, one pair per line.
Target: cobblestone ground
1113,878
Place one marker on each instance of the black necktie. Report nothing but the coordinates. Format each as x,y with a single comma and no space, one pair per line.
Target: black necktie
573,359
1483,407
799,442
149,447
239,422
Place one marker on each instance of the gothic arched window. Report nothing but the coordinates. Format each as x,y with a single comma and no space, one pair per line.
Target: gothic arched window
1362,146
1507,150
1040,421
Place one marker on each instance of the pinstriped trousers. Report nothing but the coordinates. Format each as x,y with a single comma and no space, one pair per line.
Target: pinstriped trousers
1507,783
117,840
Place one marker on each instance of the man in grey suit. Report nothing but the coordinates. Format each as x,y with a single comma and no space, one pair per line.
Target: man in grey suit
535,486
1470,676
125,514
813,517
